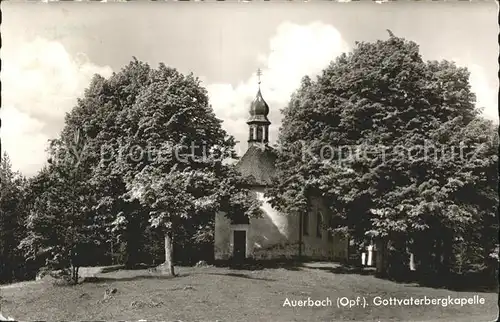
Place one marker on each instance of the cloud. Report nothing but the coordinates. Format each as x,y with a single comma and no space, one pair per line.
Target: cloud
294,51
23,139
41,82
486,93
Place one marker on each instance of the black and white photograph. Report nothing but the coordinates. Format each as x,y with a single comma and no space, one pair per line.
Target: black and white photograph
270,161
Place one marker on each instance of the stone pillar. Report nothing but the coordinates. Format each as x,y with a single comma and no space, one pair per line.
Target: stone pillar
412,262
369,262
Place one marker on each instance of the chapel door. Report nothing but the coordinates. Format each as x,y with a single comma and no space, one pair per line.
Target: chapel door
240,244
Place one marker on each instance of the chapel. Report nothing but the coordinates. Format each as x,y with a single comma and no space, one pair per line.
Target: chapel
275,234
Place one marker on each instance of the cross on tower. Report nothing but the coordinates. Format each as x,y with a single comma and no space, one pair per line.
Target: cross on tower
259,73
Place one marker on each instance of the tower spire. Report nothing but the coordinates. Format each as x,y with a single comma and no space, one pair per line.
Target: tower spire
259,73
258,122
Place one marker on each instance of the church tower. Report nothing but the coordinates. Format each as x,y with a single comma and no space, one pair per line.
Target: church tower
258,123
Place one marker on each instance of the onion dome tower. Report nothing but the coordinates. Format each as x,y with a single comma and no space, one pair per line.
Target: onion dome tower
258,162
258,122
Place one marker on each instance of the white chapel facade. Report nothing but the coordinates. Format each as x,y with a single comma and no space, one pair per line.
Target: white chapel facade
274,234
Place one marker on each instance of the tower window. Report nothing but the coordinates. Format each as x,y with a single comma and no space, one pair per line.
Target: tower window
259,133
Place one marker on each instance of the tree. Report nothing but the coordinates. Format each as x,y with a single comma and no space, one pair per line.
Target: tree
143,125
12,216
103,116
360,135
60,221
183,194
182,175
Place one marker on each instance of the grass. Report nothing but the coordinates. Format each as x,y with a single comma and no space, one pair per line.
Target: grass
228,294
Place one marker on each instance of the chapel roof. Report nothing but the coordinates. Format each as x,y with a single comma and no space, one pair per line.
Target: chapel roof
258,163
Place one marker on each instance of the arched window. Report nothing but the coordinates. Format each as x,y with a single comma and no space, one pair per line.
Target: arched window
259,133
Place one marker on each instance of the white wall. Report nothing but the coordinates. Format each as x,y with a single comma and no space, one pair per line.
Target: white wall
276,235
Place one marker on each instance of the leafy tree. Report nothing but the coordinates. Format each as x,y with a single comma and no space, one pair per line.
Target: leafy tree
12,216
183,176
368,135
60,222
143,125
103,117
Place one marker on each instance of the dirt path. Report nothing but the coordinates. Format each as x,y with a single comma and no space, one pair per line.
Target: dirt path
83,272
20,284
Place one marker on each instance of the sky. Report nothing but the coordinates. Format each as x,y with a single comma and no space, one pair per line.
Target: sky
50,51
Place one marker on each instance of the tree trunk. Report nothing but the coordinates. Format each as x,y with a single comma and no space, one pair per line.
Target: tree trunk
447,257
347,251
300,234
438,258
133,243
112,253
381,257
74,274
131,253
168,266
